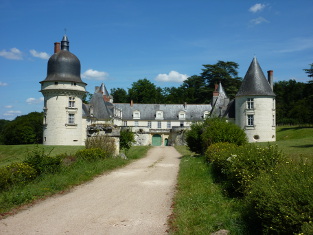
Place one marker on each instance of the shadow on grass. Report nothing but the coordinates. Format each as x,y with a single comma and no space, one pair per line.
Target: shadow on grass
303,146
295,128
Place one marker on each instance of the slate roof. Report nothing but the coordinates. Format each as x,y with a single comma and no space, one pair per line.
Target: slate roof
102,110
63,65
254,82
193,112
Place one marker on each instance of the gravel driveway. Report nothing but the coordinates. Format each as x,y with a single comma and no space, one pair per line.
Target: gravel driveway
135,199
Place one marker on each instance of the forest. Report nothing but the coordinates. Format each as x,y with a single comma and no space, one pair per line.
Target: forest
294,100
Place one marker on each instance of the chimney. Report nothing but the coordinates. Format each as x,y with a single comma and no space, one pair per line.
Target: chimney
215,94
270,78
57,47
131,103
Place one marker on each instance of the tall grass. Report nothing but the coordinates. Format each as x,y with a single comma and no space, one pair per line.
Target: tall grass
74,174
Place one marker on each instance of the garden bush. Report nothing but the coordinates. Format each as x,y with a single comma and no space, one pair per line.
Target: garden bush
282,198
240,165
16,173
103,142
42,162
91,154
193,138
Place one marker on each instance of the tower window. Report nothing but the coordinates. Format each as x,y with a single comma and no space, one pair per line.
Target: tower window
250,120
250,103
71,102
71,118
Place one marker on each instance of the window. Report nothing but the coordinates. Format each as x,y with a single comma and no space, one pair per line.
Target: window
136,115
56,83
250,120
71,102
181,115
181,124
149,124
250,103
169,125
71,119
73,83
159,115
136,123
125,123
159,125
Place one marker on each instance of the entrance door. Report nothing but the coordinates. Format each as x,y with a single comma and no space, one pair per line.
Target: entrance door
156,140
166,142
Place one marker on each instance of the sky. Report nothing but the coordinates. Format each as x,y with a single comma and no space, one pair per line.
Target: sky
166,41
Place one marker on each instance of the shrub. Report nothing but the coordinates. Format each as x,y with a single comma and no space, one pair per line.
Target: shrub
91,154
16,173
42,162
127,138
217,130
282,198
104,142
240,165
193,138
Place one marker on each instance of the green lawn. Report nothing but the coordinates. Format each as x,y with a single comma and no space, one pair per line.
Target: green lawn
17,153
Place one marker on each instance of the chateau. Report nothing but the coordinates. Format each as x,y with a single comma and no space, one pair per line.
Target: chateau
69,121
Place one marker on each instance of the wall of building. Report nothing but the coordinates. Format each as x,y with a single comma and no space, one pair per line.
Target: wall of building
264,128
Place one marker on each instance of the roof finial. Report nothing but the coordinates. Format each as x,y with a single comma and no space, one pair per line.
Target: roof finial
65,44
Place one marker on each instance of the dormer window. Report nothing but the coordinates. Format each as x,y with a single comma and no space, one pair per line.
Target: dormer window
159,115
136,115
181,115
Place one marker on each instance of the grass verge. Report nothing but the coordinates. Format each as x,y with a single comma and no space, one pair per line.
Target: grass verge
200,206
48,184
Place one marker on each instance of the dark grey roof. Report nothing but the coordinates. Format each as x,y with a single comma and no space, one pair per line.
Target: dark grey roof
63,65
193,112
102,110
254,82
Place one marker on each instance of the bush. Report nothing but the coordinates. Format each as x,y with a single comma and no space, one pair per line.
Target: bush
217,130
282,198
127,139
240,165
91,154
16,173
193,138
103,142
43,163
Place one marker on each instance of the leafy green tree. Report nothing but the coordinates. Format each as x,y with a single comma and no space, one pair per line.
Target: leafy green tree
119,95
145,92
309,71
26,129
127,138
224,72
3,122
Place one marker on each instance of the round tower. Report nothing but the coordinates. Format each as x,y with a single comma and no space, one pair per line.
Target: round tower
255,105
63,91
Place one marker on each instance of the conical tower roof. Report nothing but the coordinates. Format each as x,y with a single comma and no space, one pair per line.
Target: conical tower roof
63,66
254,82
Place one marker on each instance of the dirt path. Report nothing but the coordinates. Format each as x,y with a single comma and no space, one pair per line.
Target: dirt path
133,200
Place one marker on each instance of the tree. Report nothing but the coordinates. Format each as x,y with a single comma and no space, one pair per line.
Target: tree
145,92
3,122
127,138
224,72
26,129
309,71
119,95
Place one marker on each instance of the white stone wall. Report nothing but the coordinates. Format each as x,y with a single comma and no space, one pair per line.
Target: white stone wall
57,130
264,128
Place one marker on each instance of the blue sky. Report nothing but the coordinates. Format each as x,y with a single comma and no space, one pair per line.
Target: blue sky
165,41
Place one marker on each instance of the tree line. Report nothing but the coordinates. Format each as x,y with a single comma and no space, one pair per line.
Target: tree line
294,100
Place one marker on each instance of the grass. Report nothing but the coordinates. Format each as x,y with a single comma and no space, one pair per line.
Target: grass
17,153
200,206
49,184
294,141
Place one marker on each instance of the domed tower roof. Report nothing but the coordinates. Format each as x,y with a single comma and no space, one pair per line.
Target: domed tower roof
254,82
63,66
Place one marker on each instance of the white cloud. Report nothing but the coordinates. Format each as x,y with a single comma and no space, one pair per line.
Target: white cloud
257,7
173,76
95,75
12,113
3,84
41,55
34,100
8,106
259,20
12,54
